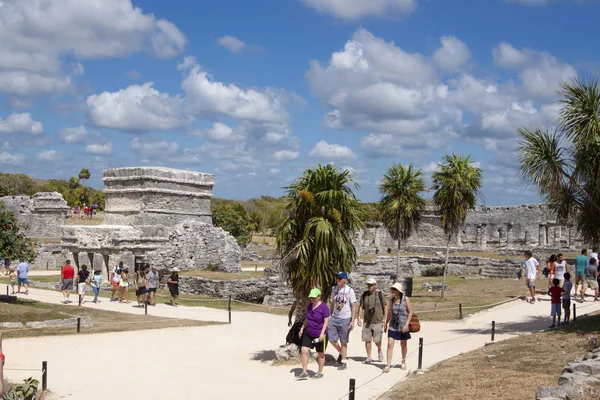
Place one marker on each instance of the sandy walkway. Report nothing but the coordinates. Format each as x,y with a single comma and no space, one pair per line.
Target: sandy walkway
217,362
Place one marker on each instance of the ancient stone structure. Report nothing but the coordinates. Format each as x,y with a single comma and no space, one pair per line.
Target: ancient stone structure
579,380
156,215
42,213
529,226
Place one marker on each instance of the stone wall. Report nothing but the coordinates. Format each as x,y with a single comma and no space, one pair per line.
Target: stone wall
579,380
42,213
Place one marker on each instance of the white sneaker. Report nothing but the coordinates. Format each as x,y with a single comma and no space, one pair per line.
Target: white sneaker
380,356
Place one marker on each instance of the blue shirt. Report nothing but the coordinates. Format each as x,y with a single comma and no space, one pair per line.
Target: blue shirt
580,263
23,270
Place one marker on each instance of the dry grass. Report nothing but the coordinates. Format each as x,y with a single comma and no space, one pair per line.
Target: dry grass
268,240
520,365
47,240
97,220
223,276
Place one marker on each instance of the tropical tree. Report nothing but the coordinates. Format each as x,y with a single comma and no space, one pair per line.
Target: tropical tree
562,164
14,244
234,219
457,185
315,239
401,204
84,174
73,183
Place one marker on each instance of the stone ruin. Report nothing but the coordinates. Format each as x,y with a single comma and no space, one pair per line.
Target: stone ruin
42,213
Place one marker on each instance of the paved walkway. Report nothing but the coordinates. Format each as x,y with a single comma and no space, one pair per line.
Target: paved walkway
219,362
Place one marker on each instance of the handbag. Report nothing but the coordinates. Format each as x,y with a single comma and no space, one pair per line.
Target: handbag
414,325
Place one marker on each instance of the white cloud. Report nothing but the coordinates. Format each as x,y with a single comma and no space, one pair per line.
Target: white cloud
73,135
233,44
355,9
49,155
453,55
220,133
11,159
332,152
285,155
99,148
160,148
21,123
134,74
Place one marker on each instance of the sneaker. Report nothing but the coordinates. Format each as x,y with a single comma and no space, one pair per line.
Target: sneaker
368,361
339,360
380,356
302,377
552,326
112,299
27,292
342,366
318,375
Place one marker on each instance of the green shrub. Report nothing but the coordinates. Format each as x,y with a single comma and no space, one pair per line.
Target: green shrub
433,271
25,391
213,267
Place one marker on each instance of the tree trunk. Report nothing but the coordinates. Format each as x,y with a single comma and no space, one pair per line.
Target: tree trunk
446,265
398,261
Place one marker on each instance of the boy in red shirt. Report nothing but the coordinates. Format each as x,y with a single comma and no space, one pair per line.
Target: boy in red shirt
555,293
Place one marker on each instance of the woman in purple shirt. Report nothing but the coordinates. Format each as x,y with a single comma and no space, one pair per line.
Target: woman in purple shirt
314,333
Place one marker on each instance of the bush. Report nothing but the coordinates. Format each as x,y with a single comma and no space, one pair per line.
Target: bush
213,267
25,391
433,271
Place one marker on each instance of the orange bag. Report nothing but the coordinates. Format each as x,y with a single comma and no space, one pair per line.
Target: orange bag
414,325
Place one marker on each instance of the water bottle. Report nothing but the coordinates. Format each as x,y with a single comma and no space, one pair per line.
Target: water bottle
317,340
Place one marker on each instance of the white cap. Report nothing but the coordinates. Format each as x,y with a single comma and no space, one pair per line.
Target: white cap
371,281
175,269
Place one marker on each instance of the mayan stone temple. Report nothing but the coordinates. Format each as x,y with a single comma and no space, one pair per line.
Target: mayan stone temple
156,215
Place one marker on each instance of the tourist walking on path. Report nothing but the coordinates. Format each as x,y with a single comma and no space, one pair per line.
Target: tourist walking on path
555,293
173,285
591,279
372,307
66,281
560,268
343,313
551,269
152,284
396,323
581,262
82,280
12,278
96,283
314,333
530,273
115,279
22,275
124,286
141,286
594,253
6,263
566,297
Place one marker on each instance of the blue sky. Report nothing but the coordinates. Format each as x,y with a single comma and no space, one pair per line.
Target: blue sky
257,91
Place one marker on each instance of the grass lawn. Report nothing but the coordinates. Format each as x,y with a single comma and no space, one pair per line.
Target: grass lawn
520,365
103,321
223,276
269,240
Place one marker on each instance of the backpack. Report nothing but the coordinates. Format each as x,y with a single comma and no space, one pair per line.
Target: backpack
362,299
293,335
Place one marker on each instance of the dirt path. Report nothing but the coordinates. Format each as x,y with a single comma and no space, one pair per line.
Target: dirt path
218,361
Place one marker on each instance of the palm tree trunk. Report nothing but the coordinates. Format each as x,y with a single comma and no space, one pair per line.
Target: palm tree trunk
398,261
581,189
446,265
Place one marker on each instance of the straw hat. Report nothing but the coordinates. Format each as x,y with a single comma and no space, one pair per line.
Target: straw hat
175,269
398,286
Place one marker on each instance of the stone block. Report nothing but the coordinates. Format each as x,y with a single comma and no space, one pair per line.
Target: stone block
434,287
287,352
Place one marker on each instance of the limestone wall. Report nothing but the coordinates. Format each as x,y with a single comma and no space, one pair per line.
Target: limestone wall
42,213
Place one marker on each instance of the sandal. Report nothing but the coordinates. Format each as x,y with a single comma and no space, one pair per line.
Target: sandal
386,369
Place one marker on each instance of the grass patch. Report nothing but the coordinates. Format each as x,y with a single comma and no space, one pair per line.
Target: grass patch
519,367
29,311
97,220
40,278
47,240
223,276
268,240
253,264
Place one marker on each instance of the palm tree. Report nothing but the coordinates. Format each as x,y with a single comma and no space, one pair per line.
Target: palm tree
457,184
315,239
401,204
563,164
84,174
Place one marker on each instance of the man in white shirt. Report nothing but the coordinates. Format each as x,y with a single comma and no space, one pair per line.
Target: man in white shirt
530,272
343,312
594,254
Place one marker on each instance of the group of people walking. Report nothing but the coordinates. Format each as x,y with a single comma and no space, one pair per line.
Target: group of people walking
375,314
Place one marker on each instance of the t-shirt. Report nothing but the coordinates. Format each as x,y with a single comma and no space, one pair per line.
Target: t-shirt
152,280
175,278
591,271
593,255
531,265
342,298
580,263
83,275
567,286
68,272
23,270
370,301
316,319
116,275
560,269
555,293
96,280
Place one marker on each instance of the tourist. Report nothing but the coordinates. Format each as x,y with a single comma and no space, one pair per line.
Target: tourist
124,286
153,278
372,307
591,275
343,312
551,270
581,262
396,324
115,279
6,263
530,273
2,360
22,275
566,297
594,253
96,283
12,278
173,284
560,268
66,281
555,293
314,333
82,279
141,286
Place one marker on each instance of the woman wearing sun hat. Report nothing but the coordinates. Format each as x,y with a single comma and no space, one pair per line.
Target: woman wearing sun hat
399,313
173,284
314,333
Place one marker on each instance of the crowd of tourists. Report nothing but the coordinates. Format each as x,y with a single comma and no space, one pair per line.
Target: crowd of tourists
332,321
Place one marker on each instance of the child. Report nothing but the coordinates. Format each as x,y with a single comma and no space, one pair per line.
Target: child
555,292
96,282
12,277
566,298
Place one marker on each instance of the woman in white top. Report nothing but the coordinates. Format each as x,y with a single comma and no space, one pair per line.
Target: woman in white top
560,268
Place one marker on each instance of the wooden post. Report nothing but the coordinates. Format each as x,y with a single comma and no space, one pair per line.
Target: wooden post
493,330
146,308
352,391
574,311
44,375
460,316
78,325
420,366
229,309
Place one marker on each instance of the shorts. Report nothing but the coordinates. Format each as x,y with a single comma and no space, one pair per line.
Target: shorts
115,285
152,290
396,335
320,347
174,290
67,284
339,329
124,284
566,304
591,283
22,281
141,291
372,333
530,282
81,288
555,310
579,279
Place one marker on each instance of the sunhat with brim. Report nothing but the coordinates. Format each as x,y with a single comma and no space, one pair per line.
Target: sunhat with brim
398,286
314,293
371,281
175,269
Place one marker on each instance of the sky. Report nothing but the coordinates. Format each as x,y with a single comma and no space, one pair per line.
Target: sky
257,91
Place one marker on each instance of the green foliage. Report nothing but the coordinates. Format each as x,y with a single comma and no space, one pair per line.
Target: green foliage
314,239
433,271
25,391
84,174
13,242
234,219
369,212
213,267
